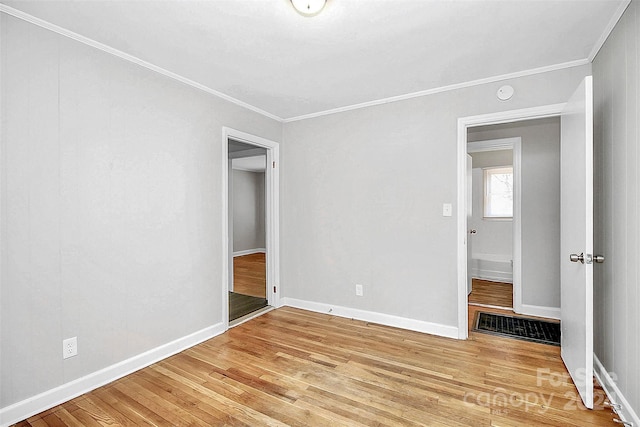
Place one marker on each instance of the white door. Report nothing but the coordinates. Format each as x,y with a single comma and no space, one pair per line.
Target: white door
469,215
577,239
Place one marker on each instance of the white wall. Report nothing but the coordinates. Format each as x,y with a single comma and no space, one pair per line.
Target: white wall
616,75
362,194
111,208
540,175
248,211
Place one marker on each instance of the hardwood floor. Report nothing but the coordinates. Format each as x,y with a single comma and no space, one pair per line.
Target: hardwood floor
491,293
250,275
241,305
293,367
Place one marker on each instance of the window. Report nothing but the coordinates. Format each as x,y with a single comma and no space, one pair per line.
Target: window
498,192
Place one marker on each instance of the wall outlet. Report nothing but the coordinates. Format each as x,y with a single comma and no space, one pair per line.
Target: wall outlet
69,347
359,290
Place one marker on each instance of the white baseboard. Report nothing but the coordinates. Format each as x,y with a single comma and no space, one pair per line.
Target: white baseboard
250,251
492,275
625,411
539,311
374,317
50,398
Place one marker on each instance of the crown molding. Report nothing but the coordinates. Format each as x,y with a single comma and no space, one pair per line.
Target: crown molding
441,89
130,58
608,29
90,42
492,144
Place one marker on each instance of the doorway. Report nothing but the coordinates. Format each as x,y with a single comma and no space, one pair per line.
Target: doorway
576,226
250,226
464,124
494,218
523,246
247,232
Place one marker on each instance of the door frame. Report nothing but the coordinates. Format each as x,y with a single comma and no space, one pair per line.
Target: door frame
514,144
464,123
272,212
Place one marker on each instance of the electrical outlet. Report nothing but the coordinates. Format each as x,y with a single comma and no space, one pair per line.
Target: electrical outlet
69,347
359,290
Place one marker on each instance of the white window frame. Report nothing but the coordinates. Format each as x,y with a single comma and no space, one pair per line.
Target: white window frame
485,183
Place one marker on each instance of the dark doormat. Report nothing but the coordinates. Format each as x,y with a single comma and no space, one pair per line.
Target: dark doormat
521,328
241,305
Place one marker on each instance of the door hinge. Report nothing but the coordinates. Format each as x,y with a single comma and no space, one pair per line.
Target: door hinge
274,289
274,165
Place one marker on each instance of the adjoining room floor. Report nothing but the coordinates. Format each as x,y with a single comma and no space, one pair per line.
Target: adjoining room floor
497,294
250,275
249,285
241,305
294,367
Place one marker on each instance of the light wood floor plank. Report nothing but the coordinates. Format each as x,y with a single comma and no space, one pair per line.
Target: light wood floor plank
487,292
250,275
293,367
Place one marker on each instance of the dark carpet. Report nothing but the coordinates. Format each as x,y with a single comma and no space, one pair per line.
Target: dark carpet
241,305
521,328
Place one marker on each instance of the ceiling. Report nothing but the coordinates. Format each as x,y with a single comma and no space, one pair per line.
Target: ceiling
238,147
263,53
247,157
250,164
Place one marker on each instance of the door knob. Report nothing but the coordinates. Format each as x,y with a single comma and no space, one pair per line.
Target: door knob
576,258
586,258
473,231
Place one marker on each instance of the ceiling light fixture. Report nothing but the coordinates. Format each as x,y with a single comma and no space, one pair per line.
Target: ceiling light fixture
308,7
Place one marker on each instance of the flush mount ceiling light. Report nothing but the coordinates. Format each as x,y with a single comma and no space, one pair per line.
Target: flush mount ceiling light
308,7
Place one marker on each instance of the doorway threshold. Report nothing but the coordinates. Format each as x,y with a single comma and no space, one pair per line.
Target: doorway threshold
499,307
250,316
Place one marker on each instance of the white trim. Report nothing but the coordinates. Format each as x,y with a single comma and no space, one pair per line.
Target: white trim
487,211
50,398
516,269
441,89
492,145
462,235
499,307
608,29
3,414
511,116
127,57
249,252
461,239
492,275
539,311
374,317
230,230
272,210
626,412
255,152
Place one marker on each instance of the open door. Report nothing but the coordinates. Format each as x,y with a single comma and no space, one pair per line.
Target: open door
469,216
577,239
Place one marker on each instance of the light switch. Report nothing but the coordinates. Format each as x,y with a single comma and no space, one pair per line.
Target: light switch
446,209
